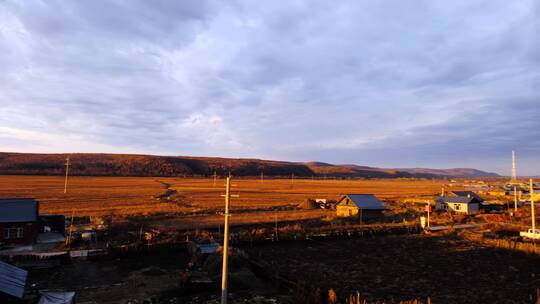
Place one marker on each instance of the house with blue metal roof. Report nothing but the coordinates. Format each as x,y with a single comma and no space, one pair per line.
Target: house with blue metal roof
364,206
459,202
19,220
467,194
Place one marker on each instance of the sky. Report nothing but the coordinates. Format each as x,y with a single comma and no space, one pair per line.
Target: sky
435,83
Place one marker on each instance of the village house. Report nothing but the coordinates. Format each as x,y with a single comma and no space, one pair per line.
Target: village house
19,221
500,191
364,206
466,202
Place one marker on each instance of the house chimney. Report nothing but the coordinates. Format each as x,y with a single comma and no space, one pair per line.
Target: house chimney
442,191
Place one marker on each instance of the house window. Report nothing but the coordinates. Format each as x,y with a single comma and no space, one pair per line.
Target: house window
457,206
13,233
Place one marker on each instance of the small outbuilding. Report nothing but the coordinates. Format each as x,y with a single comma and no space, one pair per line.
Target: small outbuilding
364,206
203,248
53,223
308,204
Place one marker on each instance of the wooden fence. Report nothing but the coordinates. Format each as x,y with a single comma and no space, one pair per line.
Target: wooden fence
527,247
357,299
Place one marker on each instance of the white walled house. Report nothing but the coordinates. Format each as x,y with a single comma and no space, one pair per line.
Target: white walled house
458,204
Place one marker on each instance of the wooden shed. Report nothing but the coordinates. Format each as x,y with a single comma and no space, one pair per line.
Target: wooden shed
364,206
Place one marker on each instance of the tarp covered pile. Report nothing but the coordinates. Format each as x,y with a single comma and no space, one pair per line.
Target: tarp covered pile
57,297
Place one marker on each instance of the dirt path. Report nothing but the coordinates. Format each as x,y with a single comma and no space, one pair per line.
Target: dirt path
167,195
258,217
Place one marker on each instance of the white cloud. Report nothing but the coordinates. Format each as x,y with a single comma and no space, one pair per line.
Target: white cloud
344,82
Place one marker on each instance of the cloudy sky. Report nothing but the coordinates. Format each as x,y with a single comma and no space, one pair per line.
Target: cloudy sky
381,83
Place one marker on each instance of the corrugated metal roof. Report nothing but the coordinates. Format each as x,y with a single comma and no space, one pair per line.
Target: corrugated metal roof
468,193
456,199
12,280
366,201
18,210
209,248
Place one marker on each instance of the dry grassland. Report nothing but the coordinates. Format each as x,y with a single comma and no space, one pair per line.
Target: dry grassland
139,195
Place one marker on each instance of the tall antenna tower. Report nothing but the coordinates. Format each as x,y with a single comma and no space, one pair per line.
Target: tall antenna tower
514,175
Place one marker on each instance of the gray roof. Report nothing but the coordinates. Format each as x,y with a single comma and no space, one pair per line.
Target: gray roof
209,248
365,201
18,210
457,199
12,280
468,193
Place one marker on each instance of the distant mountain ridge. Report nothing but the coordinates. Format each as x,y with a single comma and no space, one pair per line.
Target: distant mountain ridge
97,164
355,170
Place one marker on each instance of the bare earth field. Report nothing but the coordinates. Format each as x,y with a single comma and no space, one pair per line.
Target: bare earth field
382,268
447,269
97,196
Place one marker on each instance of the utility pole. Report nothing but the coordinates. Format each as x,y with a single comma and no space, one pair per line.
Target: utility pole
67,172
514,174
225,243
262,177
292,178
428,209
215,177
275,227
531,191
68,240
515,200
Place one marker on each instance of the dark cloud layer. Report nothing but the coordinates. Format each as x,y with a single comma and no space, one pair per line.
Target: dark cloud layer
386,83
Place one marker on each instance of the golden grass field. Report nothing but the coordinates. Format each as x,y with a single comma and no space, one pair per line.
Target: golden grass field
137,195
